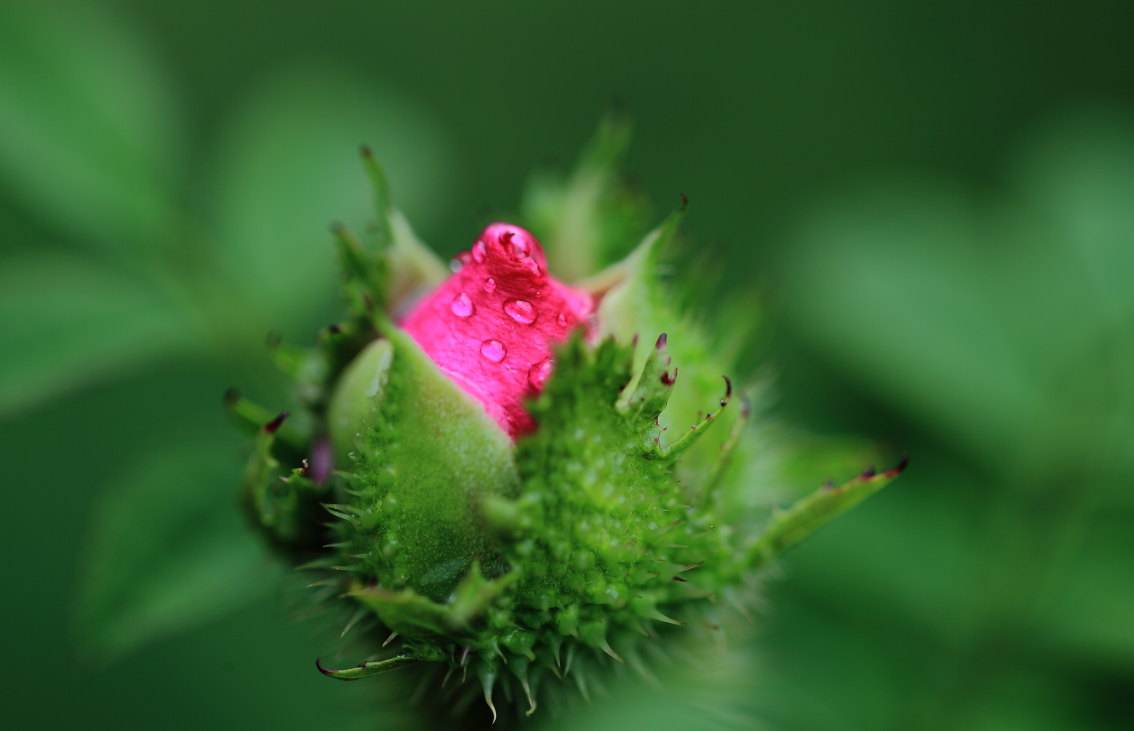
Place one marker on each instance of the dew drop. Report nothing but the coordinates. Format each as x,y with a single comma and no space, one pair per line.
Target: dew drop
462,306
479,251
493,350
521,311
539,373
489,285
455,265
562,320
517,245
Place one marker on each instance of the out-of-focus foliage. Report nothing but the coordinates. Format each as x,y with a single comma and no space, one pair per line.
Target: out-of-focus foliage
948,250
1000,326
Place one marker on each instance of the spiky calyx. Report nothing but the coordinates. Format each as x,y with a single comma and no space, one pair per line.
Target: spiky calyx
618,513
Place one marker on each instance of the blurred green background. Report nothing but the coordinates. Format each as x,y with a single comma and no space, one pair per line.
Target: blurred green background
936,204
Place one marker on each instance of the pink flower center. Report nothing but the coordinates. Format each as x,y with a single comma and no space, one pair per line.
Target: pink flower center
492,325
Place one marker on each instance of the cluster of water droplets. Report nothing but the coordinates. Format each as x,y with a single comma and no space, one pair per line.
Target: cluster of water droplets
520,311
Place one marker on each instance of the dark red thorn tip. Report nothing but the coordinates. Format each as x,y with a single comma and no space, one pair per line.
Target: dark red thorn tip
334,328
662,341
684,201
272,426
869,472
325,671
899,468
829,485
634,340
231,396
366,151
337,227
668,379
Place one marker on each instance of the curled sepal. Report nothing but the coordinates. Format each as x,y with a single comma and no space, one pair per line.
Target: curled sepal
283,502
367,668
410,614
790,526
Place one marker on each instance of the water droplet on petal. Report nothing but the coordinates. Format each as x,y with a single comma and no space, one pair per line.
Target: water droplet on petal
521,311
455,265
539,373
462,306
479,251
516,245
489,285
493,350
562,320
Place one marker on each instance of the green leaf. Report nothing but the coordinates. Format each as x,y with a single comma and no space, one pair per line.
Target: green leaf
900,286
287,166
1007,328
66,323
168,549
88,133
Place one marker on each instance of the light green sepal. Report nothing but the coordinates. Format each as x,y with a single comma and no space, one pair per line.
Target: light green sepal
412,615
367,668
413,266
409,265
805,516
424,460
589,218
357,397
636,303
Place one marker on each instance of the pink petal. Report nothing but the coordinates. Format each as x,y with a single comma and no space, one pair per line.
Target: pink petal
492,325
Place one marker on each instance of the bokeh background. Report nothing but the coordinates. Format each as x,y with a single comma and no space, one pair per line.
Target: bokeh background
935,203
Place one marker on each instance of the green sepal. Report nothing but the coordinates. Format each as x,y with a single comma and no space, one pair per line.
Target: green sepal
407,265
635,305
357,397
790,526
309,368
285,503
412,615
367,668
590,218
423,457
365,273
